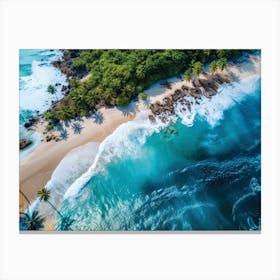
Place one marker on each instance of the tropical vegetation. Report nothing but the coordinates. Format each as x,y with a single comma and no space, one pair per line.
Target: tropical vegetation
117,76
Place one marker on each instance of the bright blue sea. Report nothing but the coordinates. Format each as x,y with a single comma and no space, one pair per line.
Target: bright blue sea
204,177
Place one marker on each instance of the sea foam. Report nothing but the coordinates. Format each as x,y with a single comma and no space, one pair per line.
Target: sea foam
128,138
71,167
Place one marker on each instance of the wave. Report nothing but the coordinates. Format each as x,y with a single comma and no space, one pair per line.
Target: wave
36,140
33,88
66,173
212,110
128,138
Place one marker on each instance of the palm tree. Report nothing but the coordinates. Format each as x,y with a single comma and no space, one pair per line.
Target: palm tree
44,195
220,53
213,67
197,68
188,75
32,221
64,113
52,90
222,63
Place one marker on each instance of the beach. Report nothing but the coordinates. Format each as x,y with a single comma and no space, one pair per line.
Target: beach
36,169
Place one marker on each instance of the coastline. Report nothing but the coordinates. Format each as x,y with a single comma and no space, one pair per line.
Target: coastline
36,169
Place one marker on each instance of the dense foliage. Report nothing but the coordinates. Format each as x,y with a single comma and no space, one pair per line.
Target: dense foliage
119,75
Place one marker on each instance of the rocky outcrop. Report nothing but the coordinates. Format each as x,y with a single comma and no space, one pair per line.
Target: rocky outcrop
30,122
24,143
178,94
200,87
52,137
66,65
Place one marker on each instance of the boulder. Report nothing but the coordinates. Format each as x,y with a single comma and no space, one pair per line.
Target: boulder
195,92
156,108
24,143
152,118
178,94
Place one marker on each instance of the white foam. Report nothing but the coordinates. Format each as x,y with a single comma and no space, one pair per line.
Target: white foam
36,140
212,110
33,88
126,140
71,167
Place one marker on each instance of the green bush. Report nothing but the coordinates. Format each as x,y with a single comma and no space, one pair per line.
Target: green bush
143,95
122,101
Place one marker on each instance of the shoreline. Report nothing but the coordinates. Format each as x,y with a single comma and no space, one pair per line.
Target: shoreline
36,169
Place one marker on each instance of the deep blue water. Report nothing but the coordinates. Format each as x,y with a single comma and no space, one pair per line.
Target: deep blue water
204,177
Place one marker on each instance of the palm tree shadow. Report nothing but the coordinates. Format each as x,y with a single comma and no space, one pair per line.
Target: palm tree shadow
64,134
98,117
59,126
129,110
77,128
67,123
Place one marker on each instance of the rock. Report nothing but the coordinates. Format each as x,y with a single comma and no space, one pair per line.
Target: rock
189,105
195,92
24,143
178,94
156,108
167,101
184,87
48,138
152,118
30,123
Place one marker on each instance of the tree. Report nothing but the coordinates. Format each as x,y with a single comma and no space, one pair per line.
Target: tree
52,90
197,68
64,113
220,53
44,195
32,221
213,67
143,96
222,63
188,76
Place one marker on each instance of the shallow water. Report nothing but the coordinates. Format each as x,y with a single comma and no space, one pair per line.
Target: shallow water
203,172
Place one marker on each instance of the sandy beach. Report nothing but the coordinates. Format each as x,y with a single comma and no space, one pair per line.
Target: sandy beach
36,169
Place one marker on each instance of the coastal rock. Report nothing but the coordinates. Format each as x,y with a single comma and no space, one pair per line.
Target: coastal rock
195,92
188,105
30,123
156,108
152,118
178,94
24,143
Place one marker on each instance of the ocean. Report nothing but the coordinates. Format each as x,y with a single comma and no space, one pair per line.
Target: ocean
202,171
36,73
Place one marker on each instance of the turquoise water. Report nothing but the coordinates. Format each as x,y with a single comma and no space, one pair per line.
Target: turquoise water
203,176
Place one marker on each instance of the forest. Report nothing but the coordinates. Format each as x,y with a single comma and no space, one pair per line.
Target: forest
118,76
